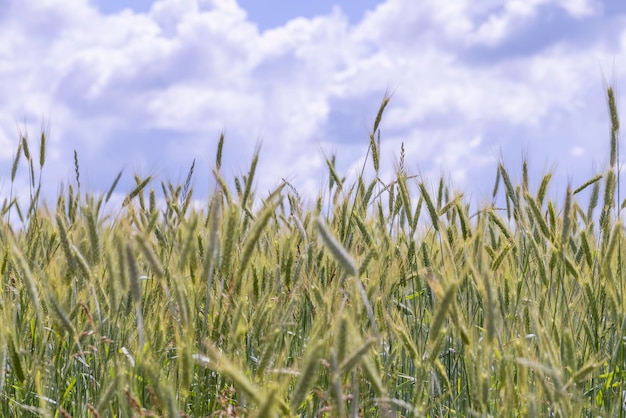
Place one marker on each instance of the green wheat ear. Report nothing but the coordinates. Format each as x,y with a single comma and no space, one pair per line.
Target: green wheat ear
336,249
25,147
375,144
76,169
614,125
306,378
16,161
218,157
42,149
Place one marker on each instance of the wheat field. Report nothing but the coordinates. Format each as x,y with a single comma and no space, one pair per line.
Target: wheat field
379,299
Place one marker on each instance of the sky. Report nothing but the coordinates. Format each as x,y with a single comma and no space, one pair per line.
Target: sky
148,86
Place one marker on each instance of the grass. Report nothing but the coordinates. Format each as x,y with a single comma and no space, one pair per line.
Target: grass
383,299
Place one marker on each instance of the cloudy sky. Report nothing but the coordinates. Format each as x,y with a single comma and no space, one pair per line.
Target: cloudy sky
147,86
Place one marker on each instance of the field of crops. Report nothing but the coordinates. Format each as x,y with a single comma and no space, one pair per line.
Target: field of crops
378,299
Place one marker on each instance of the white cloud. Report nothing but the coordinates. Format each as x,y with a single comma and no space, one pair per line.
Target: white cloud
580,8
173,78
